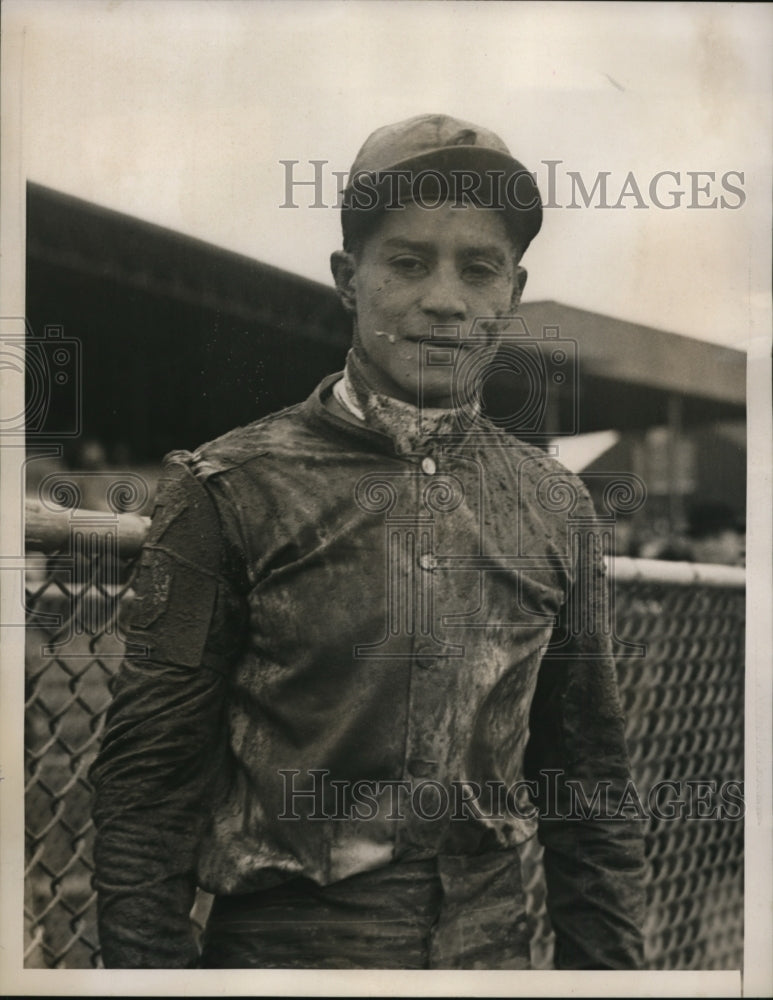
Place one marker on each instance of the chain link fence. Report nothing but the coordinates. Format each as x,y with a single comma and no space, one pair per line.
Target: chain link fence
679,638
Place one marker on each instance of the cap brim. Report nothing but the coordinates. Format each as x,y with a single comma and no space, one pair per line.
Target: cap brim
503,184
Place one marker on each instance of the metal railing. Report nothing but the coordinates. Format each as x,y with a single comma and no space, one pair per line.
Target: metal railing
683,698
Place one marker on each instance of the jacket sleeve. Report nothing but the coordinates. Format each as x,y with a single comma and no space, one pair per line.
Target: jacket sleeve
164,751
576,756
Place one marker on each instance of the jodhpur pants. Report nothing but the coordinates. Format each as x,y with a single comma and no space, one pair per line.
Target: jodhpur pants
449,912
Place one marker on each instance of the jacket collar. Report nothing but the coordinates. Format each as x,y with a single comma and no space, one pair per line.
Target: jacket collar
380,435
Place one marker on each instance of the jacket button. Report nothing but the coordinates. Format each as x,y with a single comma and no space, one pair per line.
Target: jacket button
425,657
427,561
428,465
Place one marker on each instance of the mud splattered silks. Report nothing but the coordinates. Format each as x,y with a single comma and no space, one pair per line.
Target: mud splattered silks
354,650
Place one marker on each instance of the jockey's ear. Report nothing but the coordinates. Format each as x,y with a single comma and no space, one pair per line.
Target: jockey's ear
343,266
519,283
